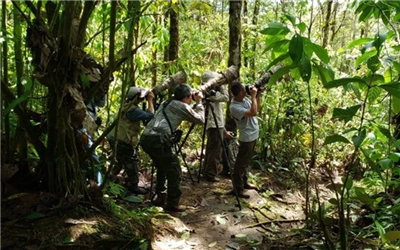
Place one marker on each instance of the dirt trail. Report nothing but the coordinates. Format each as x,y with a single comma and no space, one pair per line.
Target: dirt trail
213,220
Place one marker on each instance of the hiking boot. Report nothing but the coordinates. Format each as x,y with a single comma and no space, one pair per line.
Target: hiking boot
139,190
241,194
212,179
174,208
160,200
225,174
250,186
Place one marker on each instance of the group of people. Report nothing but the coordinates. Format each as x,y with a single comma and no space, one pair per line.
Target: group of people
157,139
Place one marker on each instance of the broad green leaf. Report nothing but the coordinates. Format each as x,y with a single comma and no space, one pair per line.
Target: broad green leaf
367,12
185,236
335,138
302,27
277,60
373,94
349,183
358,140
320,52
390,236
133,199
376,78
388,135
364,57
291,18
394,156
34,216
379,40
305,68
396,105
372,164
278,74
362,196
359,41
333,201
355,89
276,44
374,63
393,88
385,163
343,81
345,114
27,83
296,48
275,29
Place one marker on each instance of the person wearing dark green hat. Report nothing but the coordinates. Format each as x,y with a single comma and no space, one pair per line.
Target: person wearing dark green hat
157,142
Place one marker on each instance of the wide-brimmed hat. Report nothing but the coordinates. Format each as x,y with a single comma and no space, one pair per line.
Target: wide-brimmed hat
135,91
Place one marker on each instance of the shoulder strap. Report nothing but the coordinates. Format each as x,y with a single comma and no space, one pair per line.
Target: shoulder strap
165,104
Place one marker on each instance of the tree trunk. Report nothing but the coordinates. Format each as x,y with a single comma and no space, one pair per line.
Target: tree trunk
311,19
4,55
245,33
20,132
254,22
173,36
327,23
235,28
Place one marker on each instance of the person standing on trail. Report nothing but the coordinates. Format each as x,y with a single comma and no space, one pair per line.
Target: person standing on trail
128,135
216,98
244,113
158,141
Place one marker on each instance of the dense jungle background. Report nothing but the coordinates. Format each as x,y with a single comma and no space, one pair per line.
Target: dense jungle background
327,159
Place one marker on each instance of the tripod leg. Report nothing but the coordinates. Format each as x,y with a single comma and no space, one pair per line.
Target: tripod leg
226,155
203,137
187,167
186,137
152,194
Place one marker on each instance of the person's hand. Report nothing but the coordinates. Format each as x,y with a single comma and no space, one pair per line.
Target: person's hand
253,91
229,135
198,96
150,96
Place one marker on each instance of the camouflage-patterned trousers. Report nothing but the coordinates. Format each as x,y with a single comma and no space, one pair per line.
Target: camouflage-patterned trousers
128,159
167,164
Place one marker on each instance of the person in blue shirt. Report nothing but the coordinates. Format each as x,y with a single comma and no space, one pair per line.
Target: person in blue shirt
129,128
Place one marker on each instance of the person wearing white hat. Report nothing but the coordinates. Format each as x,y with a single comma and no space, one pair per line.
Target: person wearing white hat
129,129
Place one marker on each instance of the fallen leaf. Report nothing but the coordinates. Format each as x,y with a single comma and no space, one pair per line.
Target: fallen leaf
221,220
212,244
185,236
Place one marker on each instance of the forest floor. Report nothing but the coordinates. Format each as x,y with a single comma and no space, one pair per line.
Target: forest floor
272,218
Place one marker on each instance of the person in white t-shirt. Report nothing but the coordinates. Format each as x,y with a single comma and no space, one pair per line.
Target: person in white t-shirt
244,112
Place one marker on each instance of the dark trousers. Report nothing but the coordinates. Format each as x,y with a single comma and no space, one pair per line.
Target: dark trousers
213,152
128,160
243,159
167,165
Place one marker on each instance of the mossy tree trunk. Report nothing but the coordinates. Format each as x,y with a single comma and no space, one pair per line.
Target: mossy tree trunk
235,43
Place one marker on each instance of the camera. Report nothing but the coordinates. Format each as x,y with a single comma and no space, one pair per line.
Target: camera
214,81
170,83
263,80
248,88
